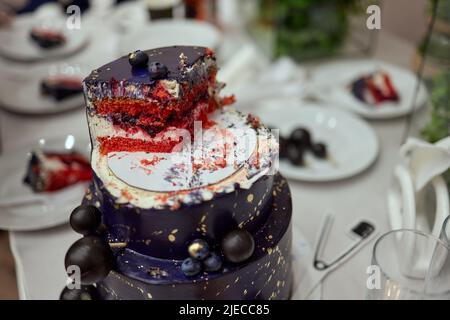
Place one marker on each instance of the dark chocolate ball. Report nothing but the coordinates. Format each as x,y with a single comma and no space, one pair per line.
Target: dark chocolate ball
157,70
238,246
319,150
84,293
138,59
191,267
212,263
198,249
295,154
301,137
85,219
93,256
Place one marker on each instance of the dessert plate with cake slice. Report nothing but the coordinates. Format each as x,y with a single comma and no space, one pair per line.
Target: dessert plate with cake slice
42,89
370,88
319,142
41,184
31,39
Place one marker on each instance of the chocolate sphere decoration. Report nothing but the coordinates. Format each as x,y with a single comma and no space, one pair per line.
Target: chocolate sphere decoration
84,293
198,249
212,263
157,70
93,256
138,59
238,246
191,267
301,137
85,219
319,150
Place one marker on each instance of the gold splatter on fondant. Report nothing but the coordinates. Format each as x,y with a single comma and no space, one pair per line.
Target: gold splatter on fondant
250,197
171,237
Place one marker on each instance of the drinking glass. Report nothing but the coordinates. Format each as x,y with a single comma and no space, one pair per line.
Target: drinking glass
409,265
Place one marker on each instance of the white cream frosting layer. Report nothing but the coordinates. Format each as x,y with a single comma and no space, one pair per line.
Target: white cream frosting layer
253,163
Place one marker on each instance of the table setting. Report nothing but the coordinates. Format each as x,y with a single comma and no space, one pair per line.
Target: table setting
363,149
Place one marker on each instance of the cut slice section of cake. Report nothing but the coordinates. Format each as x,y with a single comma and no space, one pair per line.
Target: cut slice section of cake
49,171
151,92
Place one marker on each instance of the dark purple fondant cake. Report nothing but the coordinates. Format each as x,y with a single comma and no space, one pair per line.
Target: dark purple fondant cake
185,202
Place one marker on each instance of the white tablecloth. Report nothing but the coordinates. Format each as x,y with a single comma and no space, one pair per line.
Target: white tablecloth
39,255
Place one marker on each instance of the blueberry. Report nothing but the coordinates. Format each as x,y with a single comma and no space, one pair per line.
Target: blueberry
191,267
138,59
319,150
198,249
157,70
212,263
301,137
295,154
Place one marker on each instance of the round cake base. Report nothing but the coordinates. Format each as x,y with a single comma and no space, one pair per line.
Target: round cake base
266,275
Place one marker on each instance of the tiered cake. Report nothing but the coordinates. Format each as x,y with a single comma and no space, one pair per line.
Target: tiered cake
185,188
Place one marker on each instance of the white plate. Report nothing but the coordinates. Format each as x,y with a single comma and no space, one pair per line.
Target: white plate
20,89
34,217
352,145
163,33
330,83
15,42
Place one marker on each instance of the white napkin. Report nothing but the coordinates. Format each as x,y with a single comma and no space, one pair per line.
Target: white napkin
425,160
282,78
301,259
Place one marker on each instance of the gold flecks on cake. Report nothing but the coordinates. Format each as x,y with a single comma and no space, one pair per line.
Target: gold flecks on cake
157,233
250,197
245,292
171,237
156,272
269,251
147,242
236,280
149,295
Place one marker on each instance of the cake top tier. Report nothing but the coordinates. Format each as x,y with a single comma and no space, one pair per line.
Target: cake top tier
174,60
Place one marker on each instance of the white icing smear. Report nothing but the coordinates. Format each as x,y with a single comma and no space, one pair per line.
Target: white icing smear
229,153
217,153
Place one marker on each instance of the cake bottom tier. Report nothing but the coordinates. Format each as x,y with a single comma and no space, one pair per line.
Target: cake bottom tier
266,275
